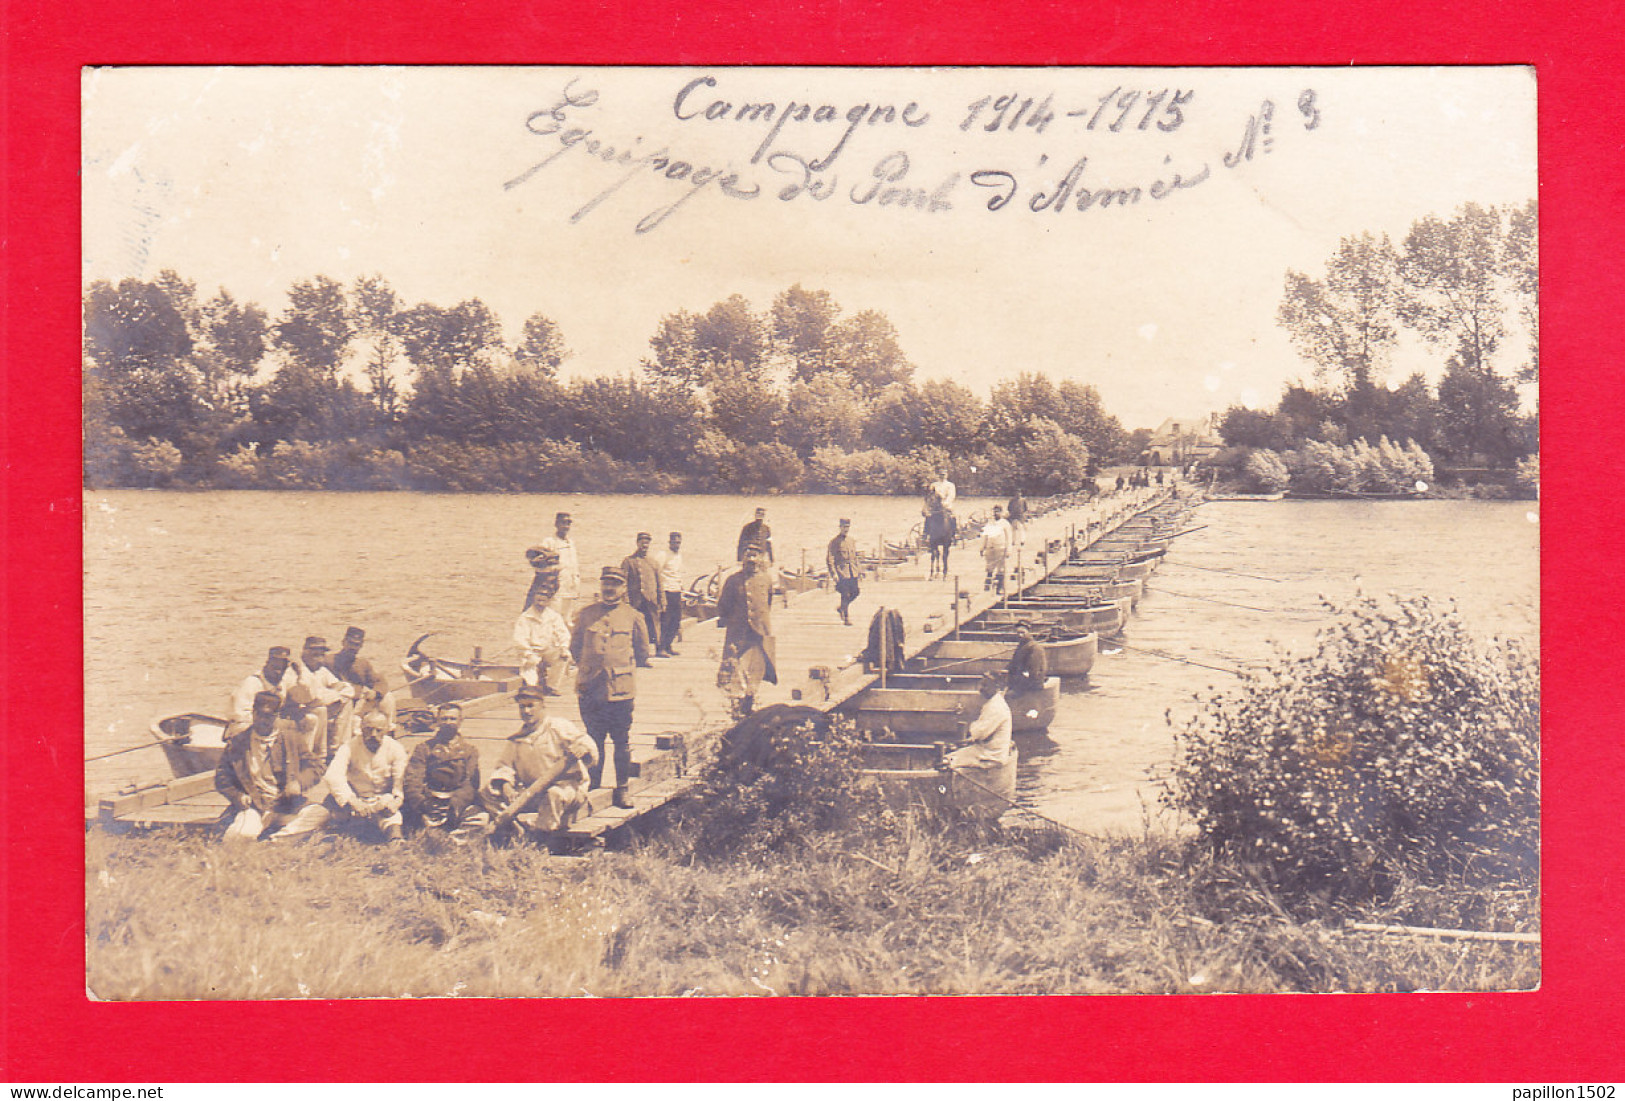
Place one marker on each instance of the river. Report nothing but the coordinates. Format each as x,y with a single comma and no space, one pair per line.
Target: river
185,591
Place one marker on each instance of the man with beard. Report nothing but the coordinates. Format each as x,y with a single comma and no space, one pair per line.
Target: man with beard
443,780
366,783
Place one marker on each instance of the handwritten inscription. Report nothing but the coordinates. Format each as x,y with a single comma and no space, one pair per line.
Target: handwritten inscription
800,149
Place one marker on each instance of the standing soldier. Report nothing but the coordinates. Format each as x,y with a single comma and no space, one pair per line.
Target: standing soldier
995,545
610,641
1017,515
671,596
744,612
842,561
569,566
643,591
758,534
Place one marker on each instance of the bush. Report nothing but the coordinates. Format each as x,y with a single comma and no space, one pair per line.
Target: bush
831,470
783,777
1399,749
1264,472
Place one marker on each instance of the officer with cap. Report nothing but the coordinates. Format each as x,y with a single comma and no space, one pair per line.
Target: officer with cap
609,642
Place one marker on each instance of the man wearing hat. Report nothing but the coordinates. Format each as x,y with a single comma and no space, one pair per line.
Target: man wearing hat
543,637
995,546
643,593
671,596
757,534
276,675
744,610
569,566
264,773
442,780
332,699
609,642
990,734
545,767
1029,665
367,780
842,561
349,666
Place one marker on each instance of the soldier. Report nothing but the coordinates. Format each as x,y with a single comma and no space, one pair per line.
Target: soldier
609,642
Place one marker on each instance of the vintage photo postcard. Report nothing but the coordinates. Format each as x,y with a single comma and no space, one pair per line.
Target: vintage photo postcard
657,532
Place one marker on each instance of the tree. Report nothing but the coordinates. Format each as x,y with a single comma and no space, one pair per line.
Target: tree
1453,274
675,358
541,347
374,311
940,414
744,408
823,412
315,329
1345,323
865,348
133,325
1477,413
442,340
730,337
803,323
1521,259
1243,427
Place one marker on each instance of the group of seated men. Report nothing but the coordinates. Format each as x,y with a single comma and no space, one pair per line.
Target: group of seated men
311,747
278,790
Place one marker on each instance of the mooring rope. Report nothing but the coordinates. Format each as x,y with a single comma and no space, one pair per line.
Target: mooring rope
1175,657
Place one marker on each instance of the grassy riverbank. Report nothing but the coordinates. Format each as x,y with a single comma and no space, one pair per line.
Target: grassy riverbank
180,916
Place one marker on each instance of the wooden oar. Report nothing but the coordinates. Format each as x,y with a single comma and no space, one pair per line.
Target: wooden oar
513,810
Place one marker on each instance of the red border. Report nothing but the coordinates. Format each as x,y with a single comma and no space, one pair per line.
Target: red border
1569,1031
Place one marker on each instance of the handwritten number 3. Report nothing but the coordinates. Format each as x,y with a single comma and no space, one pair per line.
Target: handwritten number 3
1306,104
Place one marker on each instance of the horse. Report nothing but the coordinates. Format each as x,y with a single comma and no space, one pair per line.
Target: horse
941,528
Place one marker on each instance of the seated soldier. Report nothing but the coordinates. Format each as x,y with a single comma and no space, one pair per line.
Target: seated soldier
264,773
542,771
367,780
443,780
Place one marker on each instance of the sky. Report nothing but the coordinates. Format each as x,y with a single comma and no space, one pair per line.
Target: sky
608,198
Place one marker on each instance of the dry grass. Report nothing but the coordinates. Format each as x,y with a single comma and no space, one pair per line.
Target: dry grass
175,916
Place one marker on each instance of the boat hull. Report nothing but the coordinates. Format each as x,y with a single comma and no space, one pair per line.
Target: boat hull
1072,657
938,707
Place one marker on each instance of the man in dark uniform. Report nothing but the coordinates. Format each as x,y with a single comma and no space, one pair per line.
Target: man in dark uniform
743,612
757,534
443,780
1029,665
643,593
350,666
609,642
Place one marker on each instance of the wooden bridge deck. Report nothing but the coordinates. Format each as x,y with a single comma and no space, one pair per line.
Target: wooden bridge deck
679,707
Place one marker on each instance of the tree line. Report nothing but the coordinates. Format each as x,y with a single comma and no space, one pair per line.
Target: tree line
351,388
1463,285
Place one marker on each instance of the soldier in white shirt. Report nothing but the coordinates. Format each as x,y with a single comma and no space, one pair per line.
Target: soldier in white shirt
990,734
277,675
569,566
671,584
543,637
366,781
996,536
332,700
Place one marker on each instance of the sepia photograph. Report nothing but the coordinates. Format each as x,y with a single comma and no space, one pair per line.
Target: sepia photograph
564,532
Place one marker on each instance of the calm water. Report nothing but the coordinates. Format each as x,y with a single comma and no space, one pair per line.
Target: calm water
184,592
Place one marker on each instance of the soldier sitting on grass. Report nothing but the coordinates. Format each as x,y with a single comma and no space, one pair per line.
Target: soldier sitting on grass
264,774
443,780
542,774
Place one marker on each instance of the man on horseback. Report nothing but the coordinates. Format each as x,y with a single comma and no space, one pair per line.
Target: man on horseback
940,526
